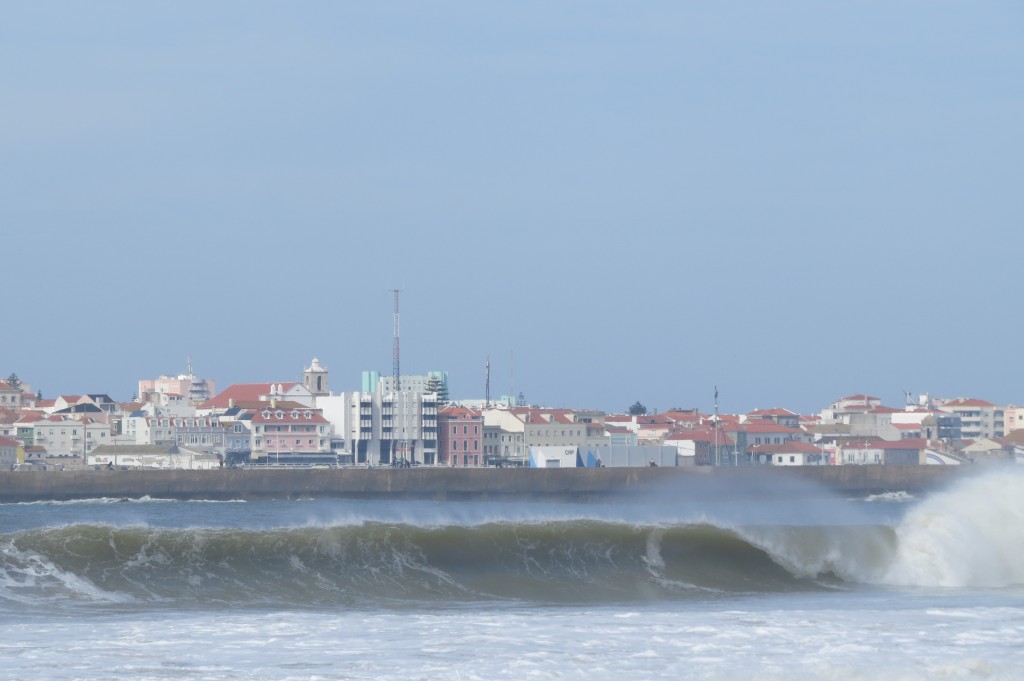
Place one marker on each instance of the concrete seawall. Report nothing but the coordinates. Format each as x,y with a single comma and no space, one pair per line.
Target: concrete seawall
478,483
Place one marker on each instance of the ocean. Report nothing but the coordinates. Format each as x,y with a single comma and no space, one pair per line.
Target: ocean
813,587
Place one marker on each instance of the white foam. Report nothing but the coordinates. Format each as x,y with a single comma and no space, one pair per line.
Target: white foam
969,536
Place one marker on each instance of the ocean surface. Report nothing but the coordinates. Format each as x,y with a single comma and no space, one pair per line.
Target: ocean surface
891,587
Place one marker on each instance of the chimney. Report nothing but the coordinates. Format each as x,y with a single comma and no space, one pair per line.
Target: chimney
231,403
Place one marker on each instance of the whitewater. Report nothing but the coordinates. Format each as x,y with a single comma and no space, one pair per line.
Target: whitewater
891,587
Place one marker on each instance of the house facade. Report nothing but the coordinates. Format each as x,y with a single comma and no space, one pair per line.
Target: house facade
460,439
63,436
978,418
297,435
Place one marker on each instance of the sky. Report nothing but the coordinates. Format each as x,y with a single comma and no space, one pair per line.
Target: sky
791,201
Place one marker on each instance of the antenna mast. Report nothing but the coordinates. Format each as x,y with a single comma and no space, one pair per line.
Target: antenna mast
396,372
487,383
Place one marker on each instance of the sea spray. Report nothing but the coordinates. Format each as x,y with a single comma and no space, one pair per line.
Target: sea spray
969,536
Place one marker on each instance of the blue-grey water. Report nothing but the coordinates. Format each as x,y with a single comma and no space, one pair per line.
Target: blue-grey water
893,587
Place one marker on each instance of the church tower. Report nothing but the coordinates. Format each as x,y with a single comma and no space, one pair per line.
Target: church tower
316,378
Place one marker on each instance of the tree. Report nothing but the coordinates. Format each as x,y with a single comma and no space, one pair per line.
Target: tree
436,385
14,381
638,409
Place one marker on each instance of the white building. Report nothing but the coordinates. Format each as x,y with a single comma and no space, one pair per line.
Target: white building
978,418
63,436
381,428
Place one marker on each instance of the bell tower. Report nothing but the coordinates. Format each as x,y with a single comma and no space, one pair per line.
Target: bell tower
316,378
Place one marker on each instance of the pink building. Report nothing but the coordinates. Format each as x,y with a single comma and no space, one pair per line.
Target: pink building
282,435
460,436
195,389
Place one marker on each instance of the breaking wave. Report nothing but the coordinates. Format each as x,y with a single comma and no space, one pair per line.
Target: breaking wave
970,536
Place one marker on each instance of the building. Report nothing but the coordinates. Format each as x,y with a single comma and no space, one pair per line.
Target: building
11,395
878,451
510,439
792,453
930,424
63,436
373,381
696,446
847,405
316,378
978,418
385,428
783,417
636,456
256,394
461,437
752,434
561,427
1013,419
196,390
11,453
290,436
151,456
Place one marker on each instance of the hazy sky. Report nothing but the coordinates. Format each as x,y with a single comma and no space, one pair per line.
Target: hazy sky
792,200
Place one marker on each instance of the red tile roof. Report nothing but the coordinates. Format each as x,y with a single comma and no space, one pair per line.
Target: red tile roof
698,435
456,411
775,411
963,402
248,392
8,442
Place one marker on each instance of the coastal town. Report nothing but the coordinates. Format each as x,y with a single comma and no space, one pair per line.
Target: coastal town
182,422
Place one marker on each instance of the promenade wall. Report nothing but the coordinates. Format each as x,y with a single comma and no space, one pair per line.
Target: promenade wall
478,483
